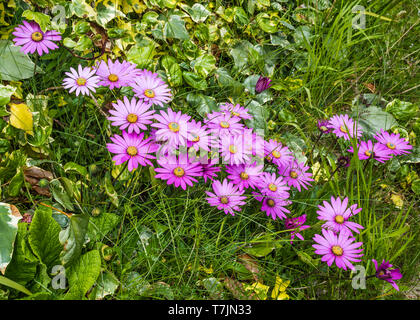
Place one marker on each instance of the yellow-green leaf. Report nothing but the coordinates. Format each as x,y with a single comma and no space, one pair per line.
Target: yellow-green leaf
21,117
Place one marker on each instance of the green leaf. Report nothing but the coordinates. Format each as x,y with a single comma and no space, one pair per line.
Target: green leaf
74,167
9,217
173,70
15,65
5,93
240,17
11,284
194,80
106,285
73,238
372,119
61,195
43,236
267,23
198,13
100,226
42,19
261,246
402,110
15,184
142,53
110,191
204,64
201,103
82,10
175,28
107,11
83,274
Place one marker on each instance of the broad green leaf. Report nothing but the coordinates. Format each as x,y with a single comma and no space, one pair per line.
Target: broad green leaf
11,284
142,53
61,195
110,191
226,81
240,17
15,65
173,70
100,226
73,238
201,103
107,11
198,13
21,117
43,236
194,80
175,28
240,54
204,64
373,119
261,246
267,22
74,167
106,285
82,10
15,184
42,19
9,218
5,93
402,110
82,275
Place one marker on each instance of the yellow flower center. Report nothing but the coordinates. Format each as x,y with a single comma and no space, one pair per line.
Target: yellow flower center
343,129
132,118
196,138
323,128
149,93
381,273
224,200
173,126
293,174
81,81
272,187
271,203
244,175
339,219
224,124
337,250
132,151
113,77
232,149
179,172
368,153
390,145
37,36
235,114
276,154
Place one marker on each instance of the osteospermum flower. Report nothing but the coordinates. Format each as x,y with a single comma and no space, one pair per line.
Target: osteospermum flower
340,248
132,148
198,136
336,215
393,142
233,150
82,81
151,88
323,126
114,74
226,197
236,110
209,168
384,272
275,207
179,171
131,115
224,124
295,175
344,127
262,84
32,38
244,175
279,154
272,186
172,128
377,151
294,223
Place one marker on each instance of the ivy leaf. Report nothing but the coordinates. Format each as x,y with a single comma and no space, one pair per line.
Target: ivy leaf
21,117
204,64
5,93
173,70
9,217
175,28
82,10
202,104
194,80
83,274
402,110
142,53
198,13
43,236
42,19
267,22
107,11
15,65
73,238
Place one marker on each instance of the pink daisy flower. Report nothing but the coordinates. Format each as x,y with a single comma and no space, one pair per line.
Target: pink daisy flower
172,128
244,175
279,155
236,110
224,124
233,150
132,148
295,175
393,142
275,207
384,272
340,248
179,171
226,197
294,223
133,115
114,74
82,81
198,136
151,88
255,142
272,186
209,167
344,127
337,214
32,38
377,151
